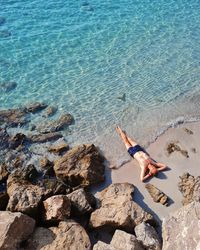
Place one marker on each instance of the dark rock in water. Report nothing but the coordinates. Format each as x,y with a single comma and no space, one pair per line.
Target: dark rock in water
47,167
53,187
57,208
3,172
156,194
2,20
40,238
17,140
13,117
24,197
3,200
148,236
82,165
32,127
52,126
5,33
4,139
82,202
59,148
117,209
180,230
50,111
190,188
8,86
14,229
122,98
173,146
35,107
41,138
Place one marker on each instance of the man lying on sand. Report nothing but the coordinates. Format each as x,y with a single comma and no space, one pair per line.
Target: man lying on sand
149,167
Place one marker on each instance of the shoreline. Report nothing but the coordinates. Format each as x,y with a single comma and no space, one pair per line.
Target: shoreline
167,181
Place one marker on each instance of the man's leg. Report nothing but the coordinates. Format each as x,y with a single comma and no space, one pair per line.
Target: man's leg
124,138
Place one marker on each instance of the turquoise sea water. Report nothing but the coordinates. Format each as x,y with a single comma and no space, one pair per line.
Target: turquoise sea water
83,55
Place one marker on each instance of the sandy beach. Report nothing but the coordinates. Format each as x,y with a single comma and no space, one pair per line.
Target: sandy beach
187,136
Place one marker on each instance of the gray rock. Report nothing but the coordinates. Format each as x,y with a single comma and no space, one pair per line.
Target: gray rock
148,236
41,138
180,230
52,126
57,208
8,86
190,188
82,202
117,209
39,239
14,228
100,245
122,240
157,195
82,165
35,107
69,235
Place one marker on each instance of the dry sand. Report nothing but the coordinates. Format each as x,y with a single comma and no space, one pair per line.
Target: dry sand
166,181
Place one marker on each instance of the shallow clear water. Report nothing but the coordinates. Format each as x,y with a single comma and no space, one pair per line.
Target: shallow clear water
83,55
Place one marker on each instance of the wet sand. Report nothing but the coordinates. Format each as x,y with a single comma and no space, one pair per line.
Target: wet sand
166,181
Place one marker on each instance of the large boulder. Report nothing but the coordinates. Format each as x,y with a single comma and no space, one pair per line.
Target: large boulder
82,165
100,245
157,195
117,209
190,188
14,228
148,236
82,202
180,230
24,197
69,235
57,208
39,239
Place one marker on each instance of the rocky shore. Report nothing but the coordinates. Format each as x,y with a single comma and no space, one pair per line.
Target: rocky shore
46,200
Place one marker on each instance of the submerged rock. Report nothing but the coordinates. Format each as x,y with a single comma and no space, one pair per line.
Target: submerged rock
82,165
8,86
59,148
14,228
13,117
148,236
52,126
2,20
17,140
41,138
82,202
190,188
35,107
117,209
50,111
4,138
57,208
180,230
5,33
156,194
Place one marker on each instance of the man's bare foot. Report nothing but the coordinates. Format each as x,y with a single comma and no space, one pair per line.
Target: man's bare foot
119,130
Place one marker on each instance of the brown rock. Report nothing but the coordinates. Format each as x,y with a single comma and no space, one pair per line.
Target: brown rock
82,165
57,208
13,117
82,202
47,167
59,149
148,236
157,194
39,239
41,138
17,140
190,188
35,107
117,209
100,245
173,146
189,131
14,228
180,230
69,235
3,172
